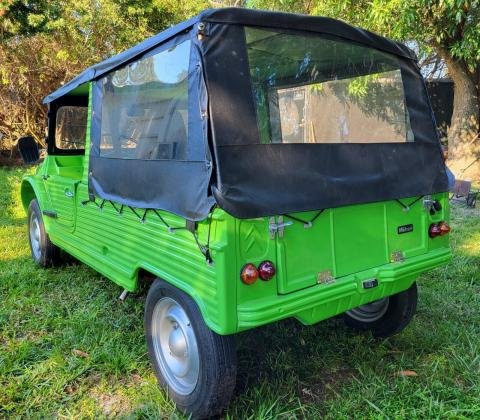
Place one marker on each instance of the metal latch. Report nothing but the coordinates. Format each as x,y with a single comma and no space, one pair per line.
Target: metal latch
277,227
428,202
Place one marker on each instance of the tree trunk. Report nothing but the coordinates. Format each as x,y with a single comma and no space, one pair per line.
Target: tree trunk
463,134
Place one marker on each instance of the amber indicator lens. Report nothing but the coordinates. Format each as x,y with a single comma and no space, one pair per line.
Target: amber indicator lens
444,228
249,274
266,270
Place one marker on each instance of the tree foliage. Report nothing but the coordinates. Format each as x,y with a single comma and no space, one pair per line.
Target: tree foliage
45,43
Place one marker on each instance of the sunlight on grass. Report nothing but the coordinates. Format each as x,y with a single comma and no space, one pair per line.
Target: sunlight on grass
11,209
69,349
472,245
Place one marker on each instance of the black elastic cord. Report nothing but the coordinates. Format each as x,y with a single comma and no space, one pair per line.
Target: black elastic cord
205,250
94,201
207,254
113,205
305,223
135,213
407,206
161,218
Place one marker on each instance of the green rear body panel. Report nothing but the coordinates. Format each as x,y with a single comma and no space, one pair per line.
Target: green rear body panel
320,268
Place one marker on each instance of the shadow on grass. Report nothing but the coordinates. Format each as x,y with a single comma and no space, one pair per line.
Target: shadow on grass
309,360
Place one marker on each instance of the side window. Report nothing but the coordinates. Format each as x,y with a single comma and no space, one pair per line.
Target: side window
71,127
144,108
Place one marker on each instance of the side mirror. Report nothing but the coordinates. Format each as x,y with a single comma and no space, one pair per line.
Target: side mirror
28,149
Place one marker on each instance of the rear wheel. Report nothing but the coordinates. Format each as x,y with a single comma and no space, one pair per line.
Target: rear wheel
194,364
384,317
44,252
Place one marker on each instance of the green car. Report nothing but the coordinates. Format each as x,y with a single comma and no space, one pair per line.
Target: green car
248,167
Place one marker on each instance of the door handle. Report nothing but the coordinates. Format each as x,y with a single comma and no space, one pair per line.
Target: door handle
277,228
68,193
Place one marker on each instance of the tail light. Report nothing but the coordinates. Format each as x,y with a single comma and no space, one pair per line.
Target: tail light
438,229
249,274
266,270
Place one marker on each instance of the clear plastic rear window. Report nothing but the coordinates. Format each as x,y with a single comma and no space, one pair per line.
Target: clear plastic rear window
318,89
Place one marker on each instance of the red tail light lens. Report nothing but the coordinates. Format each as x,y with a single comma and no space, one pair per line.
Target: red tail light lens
249,274
444,228
438,229
266,270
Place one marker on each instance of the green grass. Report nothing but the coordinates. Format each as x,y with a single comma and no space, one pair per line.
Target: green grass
49,317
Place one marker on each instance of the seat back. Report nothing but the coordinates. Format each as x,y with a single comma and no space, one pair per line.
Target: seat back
28,149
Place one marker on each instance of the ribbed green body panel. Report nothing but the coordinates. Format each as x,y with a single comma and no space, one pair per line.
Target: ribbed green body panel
321,266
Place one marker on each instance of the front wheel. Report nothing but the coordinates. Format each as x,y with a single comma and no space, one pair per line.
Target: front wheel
44,252
195,365
384,317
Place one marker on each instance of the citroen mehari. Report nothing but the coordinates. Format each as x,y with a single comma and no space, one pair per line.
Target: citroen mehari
249,166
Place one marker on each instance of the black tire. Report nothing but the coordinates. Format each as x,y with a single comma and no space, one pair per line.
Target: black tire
44,252
398,314
216,362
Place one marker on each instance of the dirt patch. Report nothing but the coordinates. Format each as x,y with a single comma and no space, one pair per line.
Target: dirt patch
319,388
107,392
111,404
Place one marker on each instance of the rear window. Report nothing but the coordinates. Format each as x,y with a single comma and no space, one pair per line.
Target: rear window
318,89
144,108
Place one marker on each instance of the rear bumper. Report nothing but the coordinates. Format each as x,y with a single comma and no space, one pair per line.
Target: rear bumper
323,301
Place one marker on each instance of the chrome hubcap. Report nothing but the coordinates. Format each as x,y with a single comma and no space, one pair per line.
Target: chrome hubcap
370,312
34,232
175,346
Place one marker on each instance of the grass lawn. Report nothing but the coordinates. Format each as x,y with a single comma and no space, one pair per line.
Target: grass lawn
68,348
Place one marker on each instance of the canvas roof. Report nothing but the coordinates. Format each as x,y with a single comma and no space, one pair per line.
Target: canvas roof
236,16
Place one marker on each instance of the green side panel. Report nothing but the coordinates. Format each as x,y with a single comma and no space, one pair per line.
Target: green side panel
64,174
253,246
118,244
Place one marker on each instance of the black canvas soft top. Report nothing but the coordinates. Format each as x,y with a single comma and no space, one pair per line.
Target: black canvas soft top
238,16
226,161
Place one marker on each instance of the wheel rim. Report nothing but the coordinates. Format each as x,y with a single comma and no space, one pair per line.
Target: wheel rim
35,236
370,312
175,346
